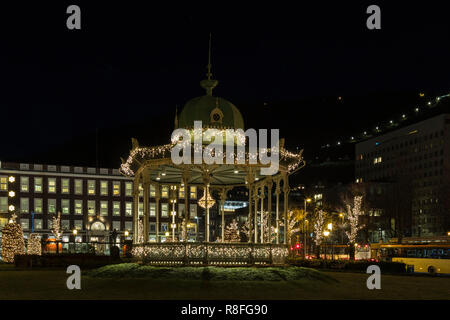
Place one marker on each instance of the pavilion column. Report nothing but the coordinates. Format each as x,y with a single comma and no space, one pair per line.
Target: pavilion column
223,196
145,218
136,209
186,205
277,211
269,210
262,213
207,213
255,198
285,209
157,198
173,212
250,207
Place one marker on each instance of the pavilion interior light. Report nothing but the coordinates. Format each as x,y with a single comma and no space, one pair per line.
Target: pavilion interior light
202,201
12,240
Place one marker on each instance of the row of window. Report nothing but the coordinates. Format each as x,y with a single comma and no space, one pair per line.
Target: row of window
78,224
91,187
103,209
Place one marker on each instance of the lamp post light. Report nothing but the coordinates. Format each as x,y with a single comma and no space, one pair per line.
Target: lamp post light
326,233
304,227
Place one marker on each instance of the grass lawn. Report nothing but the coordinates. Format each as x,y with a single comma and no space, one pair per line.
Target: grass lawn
51,284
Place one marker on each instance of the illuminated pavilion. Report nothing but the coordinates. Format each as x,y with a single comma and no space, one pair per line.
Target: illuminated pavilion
154,166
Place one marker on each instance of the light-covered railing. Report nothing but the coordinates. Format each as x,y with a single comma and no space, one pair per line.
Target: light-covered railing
192,253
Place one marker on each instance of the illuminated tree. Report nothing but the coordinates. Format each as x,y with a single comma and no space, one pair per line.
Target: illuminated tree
354,212
232,232
34,244
56,226
184,236
319,225
12,240
141,231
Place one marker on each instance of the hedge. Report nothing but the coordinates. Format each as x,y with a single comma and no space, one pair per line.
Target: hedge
359,265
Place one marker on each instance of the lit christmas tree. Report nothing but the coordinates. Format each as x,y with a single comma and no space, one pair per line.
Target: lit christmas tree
34,244
232,232
12,240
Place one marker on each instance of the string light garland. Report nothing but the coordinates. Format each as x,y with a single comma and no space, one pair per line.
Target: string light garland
56,226
12,240
389,124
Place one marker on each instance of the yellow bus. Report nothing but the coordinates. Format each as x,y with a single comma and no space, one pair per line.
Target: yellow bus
422,255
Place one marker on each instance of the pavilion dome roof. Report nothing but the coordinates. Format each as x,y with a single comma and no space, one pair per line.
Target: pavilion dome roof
214,112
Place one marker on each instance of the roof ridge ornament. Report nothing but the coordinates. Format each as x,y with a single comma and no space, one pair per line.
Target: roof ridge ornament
209,84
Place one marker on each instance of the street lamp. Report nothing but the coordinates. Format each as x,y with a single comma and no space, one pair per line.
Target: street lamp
304,227
326,233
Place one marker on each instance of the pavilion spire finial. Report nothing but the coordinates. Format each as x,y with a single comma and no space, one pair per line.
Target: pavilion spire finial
209,84
209,74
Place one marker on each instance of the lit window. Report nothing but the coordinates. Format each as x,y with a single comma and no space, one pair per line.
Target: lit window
24,205
116,225
181,193
91,187
165,191
78,206
193,210
51,206
65,186
116,188
129,208
24,223
78,186
38,224
116,208
104,188
164,209
193,192
37,184
152,191
65,203
78,224
37,205
104,208
51,185
3,204
128,225
128,189
140,209
3,183
91,207
152,209
24,184
181,210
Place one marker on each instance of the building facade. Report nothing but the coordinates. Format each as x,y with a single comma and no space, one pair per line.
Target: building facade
93,201
414,162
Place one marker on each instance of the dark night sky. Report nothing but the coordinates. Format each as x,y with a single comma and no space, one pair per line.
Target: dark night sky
130,65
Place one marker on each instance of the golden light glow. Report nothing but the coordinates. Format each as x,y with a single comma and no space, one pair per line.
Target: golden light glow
126,233
330,226
276,230
421,94
341,215
167,233
326,233
308,200
11,179
74,232
11,193
11,208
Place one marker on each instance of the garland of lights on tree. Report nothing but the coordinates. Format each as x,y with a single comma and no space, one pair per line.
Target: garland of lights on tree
353,214
12,240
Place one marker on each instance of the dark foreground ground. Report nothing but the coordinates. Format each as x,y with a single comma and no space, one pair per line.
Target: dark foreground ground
51,284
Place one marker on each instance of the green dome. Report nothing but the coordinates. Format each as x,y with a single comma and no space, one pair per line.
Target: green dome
214,112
